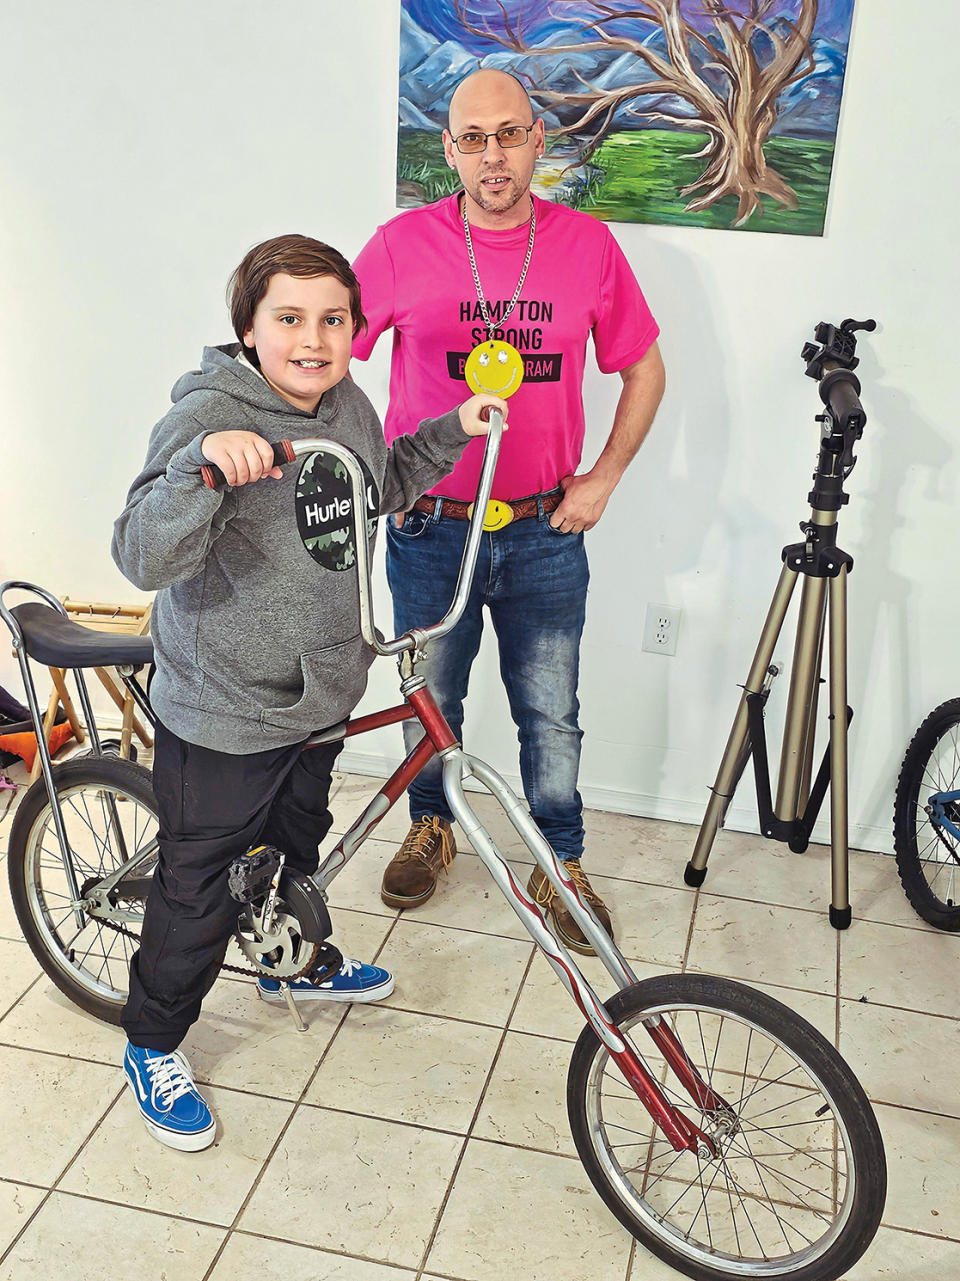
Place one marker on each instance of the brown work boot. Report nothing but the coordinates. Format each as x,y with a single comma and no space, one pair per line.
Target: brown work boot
564,926
411,875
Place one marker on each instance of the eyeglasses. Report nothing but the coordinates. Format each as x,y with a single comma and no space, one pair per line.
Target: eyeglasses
473,141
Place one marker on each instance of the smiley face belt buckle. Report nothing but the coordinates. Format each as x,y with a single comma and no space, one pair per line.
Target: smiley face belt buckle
496,515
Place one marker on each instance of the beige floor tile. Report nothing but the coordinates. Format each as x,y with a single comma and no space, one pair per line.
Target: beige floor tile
770,944
50,1105
46,1020
249,1044
523,1214
650,922
744,865
637,849
248,1256
819,1010
9,925
909,968
923,1169
17,1203
406,1067
454,973
546,1008
123,1163
901,1057
357,885
84,1240
907,1256
469,898
525,1102
877,895
350,1183
18,972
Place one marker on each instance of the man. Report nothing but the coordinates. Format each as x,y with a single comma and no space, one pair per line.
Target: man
495,262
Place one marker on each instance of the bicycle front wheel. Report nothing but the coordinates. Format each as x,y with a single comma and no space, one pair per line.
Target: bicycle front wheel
798,1184
84,943
928,855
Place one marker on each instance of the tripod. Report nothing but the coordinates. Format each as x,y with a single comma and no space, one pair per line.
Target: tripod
822,618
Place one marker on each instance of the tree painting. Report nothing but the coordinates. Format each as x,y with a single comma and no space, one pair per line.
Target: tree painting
718,113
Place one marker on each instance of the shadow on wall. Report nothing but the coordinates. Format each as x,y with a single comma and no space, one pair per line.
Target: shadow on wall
654,531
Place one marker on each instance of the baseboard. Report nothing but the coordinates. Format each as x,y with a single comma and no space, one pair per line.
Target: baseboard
862,836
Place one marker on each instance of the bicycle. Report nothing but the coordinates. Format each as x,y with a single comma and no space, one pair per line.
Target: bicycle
926,818
722,1130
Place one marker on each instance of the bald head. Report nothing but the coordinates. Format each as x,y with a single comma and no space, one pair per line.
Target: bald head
496,176
484,90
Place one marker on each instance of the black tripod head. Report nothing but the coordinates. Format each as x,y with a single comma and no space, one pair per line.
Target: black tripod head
831,359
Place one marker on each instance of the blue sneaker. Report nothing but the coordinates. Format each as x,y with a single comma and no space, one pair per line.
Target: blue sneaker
354,981
169,1102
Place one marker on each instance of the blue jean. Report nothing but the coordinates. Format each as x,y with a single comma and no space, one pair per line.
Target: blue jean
534,581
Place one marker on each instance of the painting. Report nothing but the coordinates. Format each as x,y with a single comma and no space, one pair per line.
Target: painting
703,113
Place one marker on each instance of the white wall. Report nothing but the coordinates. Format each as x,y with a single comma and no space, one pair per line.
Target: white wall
147,146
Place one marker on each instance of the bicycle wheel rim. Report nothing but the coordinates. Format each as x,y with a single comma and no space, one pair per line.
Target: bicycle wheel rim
941,773
91,956
715,1252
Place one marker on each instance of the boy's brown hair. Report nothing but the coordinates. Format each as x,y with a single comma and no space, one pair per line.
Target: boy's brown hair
294,256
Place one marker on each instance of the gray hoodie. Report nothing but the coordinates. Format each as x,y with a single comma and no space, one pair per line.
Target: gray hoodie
257,645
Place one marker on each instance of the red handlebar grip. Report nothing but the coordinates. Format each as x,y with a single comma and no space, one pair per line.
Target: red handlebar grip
213,477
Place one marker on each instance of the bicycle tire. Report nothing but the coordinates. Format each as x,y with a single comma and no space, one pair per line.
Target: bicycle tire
109,812
855,1178
929,876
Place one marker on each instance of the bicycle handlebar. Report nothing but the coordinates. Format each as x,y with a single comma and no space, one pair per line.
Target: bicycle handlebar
286,451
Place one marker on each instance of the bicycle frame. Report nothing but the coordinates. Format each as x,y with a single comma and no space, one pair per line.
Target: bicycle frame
458,766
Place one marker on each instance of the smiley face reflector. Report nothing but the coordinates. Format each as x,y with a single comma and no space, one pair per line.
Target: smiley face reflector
495,368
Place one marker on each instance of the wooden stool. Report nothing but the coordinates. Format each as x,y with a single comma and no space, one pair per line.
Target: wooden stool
132,620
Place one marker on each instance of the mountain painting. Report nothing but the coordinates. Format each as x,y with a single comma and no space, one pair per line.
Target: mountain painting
697,113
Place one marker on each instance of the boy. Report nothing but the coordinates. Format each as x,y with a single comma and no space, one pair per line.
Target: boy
257,645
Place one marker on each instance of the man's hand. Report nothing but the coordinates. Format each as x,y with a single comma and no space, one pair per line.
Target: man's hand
242,456
584,498
475,414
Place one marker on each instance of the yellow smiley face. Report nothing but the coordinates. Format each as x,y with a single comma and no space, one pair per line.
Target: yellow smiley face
496,516
495,368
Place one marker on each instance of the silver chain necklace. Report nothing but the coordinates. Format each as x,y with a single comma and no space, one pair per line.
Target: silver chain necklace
476,275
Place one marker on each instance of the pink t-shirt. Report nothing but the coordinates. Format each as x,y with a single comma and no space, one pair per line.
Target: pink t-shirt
415,278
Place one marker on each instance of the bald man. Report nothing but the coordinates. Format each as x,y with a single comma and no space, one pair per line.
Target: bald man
494,262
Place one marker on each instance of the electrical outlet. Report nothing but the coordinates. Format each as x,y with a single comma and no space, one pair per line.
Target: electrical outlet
660,629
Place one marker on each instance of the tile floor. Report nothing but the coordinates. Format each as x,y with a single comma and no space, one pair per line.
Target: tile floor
426,1137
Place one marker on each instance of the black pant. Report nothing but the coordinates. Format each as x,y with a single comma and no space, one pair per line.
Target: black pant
213,806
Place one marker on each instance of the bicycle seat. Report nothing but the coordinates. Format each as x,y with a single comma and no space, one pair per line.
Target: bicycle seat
55,641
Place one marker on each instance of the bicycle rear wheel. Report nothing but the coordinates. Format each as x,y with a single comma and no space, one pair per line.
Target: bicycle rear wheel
109,813
798,1186
928,856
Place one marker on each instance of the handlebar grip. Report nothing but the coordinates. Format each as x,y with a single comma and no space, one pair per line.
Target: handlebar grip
213,477
840,392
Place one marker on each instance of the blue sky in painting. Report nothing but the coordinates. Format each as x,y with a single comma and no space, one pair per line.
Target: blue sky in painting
542,20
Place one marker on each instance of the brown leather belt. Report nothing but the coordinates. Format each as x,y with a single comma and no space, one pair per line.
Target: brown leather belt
453,509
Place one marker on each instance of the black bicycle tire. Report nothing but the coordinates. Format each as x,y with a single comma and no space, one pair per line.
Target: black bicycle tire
104,771
816,1054
909,864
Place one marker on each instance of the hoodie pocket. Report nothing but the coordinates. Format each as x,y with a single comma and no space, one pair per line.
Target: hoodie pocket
333,683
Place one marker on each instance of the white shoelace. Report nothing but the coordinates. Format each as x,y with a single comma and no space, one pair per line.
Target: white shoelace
348,967
170,1078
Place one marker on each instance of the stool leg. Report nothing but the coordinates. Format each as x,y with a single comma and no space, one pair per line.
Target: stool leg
67,702
49,718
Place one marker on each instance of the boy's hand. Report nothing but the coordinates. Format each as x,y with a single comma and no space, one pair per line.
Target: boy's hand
242,456
475,414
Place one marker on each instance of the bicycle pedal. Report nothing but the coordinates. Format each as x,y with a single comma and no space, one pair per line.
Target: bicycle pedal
328,962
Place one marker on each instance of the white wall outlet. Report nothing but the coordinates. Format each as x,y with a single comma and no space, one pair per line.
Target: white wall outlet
660,629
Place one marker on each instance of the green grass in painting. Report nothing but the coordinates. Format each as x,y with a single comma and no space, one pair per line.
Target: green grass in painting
644,172
637,177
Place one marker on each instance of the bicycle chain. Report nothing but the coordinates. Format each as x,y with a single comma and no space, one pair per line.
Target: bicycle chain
232,969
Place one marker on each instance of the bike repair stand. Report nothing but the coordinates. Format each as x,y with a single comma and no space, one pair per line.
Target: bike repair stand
824,568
